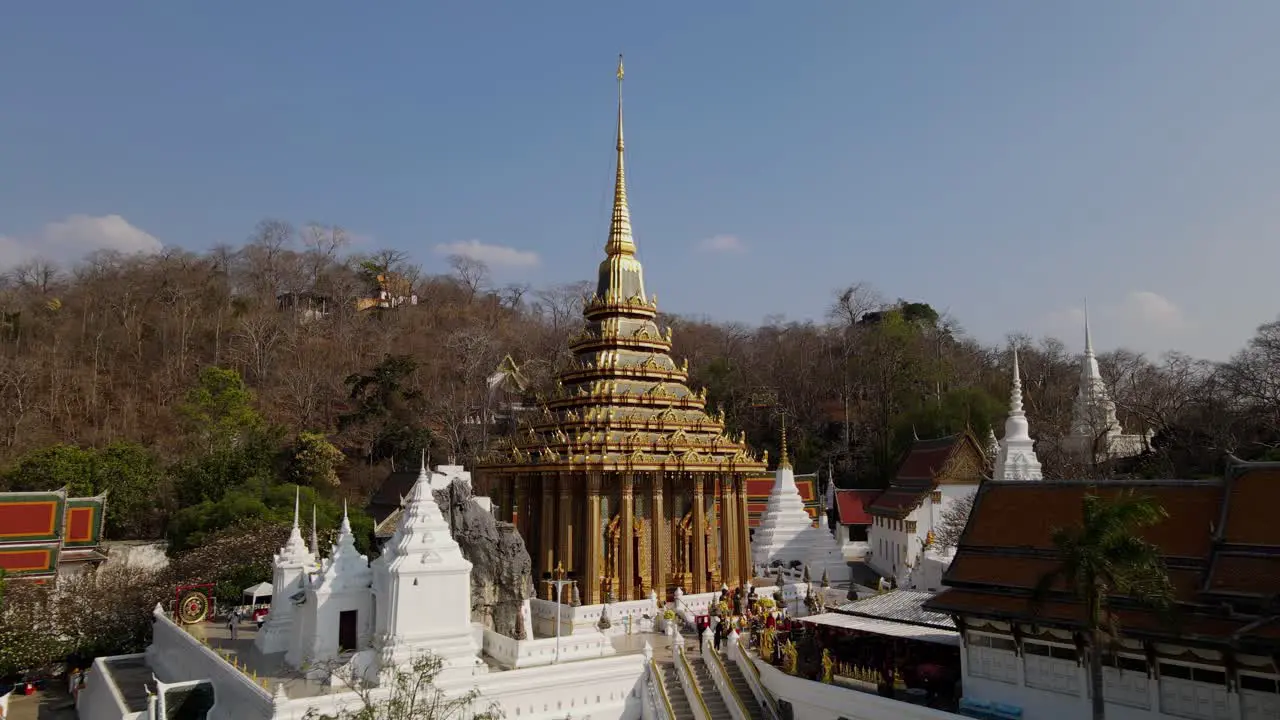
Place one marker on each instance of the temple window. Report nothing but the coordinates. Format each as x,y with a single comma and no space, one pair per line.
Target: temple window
1191,691
992,657
1051,667
936,496
1125,680
911,526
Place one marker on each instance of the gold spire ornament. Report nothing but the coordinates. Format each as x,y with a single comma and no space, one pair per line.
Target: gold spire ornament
784,461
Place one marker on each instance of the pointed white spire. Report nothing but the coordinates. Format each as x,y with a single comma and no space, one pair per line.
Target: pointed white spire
315,537
297,498
294,550
1017,457
422,531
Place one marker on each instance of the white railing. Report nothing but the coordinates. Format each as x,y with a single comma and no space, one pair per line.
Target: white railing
631,616
511,653
658,702
689,682
720,677
739,654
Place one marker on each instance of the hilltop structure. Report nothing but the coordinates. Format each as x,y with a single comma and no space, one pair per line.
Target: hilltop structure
624,478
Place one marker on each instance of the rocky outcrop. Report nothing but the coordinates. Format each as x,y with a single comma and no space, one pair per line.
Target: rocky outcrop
501,573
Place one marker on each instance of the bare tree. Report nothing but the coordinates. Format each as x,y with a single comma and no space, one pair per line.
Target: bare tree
946,534
408,693
472,273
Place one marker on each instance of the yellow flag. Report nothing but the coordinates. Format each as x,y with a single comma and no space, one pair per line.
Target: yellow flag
619,68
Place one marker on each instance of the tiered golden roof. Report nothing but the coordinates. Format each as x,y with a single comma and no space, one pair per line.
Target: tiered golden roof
623,404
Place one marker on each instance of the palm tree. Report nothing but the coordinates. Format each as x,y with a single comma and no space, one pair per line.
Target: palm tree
1103,557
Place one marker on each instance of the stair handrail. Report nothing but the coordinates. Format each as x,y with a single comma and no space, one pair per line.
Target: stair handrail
655,674
720,676
689,682
763,696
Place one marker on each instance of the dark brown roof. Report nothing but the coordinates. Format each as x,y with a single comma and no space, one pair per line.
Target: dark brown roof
918,475
1218,544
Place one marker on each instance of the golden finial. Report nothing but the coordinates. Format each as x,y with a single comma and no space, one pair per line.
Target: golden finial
784,461
620,242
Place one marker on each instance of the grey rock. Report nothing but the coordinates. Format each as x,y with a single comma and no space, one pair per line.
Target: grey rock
502,571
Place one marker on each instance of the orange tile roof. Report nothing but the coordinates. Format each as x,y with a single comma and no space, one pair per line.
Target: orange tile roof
854,506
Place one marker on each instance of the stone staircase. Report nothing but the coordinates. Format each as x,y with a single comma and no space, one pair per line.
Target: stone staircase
675,693
710,695
740,686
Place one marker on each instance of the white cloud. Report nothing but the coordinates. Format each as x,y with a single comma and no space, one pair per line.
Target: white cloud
70,240
722,244
491,255
1142,320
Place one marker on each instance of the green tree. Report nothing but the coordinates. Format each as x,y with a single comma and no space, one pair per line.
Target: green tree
219,410
315,461
387,410
253,461
128,473
1102,558
53,467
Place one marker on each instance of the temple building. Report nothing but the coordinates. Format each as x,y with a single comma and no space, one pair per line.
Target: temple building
1214,655
935,475
47,534
760,487
784,534
1096,434
623,477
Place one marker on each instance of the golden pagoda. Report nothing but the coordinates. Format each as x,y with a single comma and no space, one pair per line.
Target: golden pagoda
624,479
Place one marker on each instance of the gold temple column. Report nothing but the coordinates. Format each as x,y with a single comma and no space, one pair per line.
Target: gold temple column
660,534
564,544
699,536
547,529
589,578
744,530
626,540
729,530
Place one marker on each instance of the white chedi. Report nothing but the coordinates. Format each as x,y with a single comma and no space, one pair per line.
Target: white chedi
784,531
1016,459
290,568
422,586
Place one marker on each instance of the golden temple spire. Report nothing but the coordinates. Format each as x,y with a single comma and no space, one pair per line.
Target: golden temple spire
784,461
620,242
621,277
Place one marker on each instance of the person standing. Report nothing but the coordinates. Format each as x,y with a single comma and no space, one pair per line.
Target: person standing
233,622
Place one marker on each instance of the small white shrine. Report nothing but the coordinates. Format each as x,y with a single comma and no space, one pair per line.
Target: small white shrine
291,565
422,590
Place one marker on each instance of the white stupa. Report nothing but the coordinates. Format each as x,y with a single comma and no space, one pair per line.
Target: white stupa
290,567
826,557
784,531
1095,428
422,585
1017,459
337,609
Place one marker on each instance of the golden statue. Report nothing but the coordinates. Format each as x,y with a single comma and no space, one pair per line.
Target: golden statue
828,667
790,658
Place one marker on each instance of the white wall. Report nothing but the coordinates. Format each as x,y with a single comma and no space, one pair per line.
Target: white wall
604,689
176,656
510,653
143,555
100,699
1048,688
890,547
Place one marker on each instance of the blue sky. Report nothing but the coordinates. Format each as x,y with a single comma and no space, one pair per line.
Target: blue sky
1001,160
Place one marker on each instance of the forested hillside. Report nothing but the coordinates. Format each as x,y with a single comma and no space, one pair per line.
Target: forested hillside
179,380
